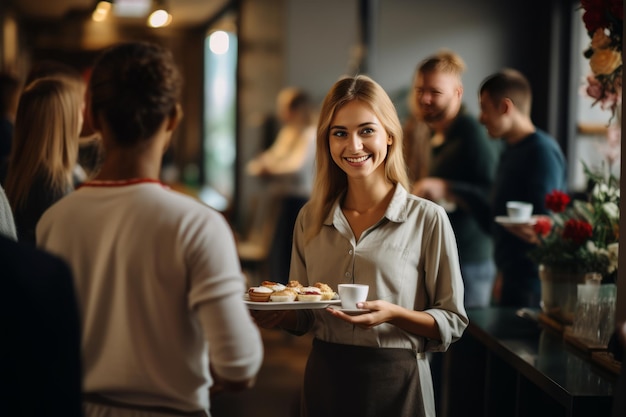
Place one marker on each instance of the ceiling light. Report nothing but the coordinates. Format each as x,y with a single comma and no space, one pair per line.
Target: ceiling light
160,17
219,42
133,8
102,10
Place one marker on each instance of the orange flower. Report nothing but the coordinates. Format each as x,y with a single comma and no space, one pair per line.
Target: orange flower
600,40
603,20
605,61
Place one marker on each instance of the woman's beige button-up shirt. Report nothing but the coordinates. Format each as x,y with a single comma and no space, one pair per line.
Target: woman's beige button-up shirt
408,258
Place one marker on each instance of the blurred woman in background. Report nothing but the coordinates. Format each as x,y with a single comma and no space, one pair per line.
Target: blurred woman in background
45,150
288,167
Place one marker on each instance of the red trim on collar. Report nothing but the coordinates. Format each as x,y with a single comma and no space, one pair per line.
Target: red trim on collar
120,183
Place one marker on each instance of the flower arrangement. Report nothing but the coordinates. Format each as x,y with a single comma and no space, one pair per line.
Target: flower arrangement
603,20
581,236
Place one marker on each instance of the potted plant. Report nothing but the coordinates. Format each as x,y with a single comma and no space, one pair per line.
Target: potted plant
580,236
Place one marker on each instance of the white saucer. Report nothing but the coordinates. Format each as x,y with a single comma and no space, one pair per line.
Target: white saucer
351,311
507,221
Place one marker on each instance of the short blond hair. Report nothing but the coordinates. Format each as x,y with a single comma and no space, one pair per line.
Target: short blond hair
445,61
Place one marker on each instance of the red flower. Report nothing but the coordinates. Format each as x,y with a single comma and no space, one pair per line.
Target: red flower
556,201
577,231
595,19
542,226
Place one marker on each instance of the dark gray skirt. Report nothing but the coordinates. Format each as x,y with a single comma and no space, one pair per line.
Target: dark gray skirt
346,380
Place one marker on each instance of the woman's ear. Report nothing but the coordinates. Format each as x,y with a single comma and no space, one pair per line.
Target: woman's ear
175,117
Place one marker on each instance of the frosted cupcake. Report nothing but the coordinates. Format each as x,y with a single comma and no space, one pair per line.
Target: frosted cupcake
260,294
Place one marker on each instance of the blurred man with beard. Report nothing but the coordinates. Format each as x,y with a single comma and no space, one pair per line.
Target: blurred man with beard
461,172
462,168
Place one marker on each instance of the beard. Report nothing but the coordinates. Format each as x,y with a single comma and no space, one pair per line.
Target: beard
432,114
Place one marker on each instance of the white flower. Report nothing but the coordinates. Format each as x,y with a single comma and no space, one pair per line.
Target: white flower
593,249
600,191
613,250
611,210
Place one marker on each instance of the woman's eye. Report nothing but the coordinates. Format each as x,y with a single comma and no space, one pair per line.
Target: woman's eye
339,133
368,131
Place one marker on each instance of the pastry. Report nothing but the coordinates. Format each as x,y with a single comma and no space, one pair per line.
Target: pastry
284,296
295,285
294,291
308,294
259,294
275,286
327,292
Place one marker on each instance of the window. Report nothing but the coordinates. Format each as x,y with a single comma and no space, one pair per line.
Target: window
220,118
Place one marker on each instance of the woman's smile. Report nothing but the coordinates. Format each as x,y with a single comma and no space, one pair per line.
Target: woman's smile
358,141
357,160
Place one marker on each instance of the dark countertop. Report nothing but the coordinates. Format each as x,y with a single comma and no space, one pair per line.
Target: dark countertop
541,355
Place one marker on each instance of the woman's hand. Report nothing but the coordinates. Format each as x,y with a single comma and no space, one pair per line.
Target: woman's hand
380,312
416,322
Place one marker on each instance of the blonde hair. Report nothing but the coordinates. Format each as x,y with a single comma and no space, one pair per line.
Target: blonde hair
45,140
445,61
330,180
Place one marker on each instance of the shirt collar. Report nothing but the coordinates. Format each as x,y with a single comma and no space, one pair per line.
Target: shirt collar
396,211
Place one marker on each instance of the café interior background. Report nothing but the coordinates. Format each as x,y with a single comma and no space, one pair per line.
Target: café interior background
310,43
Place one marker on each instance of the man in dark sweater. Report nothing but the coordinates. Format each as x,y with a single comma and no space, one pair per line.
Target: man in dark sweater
531,166
462,168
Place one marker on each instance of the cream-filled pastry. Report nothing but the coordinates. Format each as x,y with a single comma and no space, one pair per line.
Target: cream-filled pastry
327,291
259,294
284,296
309,294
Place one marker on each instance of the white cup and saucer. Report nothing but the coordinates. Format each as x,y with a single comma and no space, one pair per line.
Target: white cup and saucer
350,295
518,213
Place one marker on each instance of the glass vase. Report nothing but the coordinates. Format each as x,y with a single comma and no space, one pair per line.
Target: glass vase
559,292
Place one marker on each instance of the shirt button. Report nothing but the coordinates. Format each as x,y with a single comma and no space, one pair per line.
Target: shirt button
348,275
350,251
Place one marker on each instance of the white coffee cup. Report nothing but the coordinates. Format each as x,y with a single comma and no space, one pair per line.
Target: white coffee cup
350,294
519,210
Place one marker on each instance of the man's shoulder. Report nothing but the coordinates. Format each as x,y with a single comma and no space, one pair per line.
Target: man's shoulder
542,140
24,262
